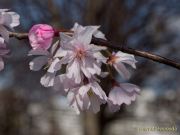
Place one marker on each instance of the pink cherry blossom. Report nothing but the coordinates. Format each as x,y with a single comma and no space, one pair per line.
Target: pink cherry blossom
3,52
87,97
122,93
118,59
81,57
9,20
41,36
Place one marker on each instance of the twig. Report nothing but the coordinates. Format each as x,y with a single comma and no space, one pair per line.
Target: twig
102,42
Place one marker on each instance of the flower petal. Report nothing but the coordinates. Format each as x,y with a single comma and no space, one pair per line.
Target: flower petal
38,52
54,47
55,65
95,104
99,34
113,107
73,71
75,101
37,63
85,35
11,19
96,88
131,88
126,58
122,70
4,33
48,79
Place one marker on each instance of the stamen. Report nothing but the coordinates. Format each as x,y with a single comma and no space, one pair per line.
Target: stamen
80,53
90,93
112,59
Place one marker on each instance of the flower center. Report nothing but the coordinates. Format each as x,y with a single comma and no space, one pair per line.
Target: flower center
90,93
80,53
112,59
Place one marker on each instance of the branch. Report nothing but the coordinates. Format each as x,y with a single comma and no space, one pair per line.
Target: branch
102,42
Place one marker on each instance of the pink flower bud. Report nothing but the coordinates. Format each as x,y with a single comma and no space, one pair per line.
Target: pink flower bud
41,36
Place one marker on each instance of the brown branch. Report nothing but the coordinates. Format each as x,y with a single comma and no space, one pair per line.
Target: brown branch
18,35
102,42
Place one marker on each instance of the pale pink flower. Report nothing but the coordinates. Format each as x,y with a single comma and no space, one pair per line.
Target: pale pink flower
81,57
41,36
9,20
3,52
122,93
45,59
118,59
87,97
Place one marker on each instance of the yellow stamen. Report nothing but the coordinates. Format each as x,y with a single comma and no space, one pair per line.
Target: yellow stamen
90,93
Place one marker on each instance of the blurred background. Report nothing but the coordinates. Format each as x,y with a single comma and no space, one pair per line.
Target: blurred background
26,108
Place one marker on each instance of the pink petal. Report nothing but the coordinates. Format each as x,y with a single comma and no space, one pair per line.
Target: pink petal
73,71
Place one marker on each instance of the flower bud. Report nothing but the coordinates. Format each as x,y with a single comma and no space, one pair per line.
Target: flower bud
41,36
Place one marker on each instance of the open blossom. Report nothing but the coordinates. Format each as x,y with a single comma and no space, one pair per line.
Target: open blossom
118,59
87,97
122,93
3,52
81,57
41,36
9,20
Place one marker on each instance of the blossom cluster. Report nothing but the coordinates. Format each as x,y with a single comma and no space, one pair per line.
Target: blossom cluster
73,64
8,20
73,67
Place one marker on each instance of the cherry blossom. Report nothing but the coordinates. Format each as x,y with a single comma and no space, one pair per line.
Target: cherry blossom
122,93
87,97
9,20
118,59
41,36
81,57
